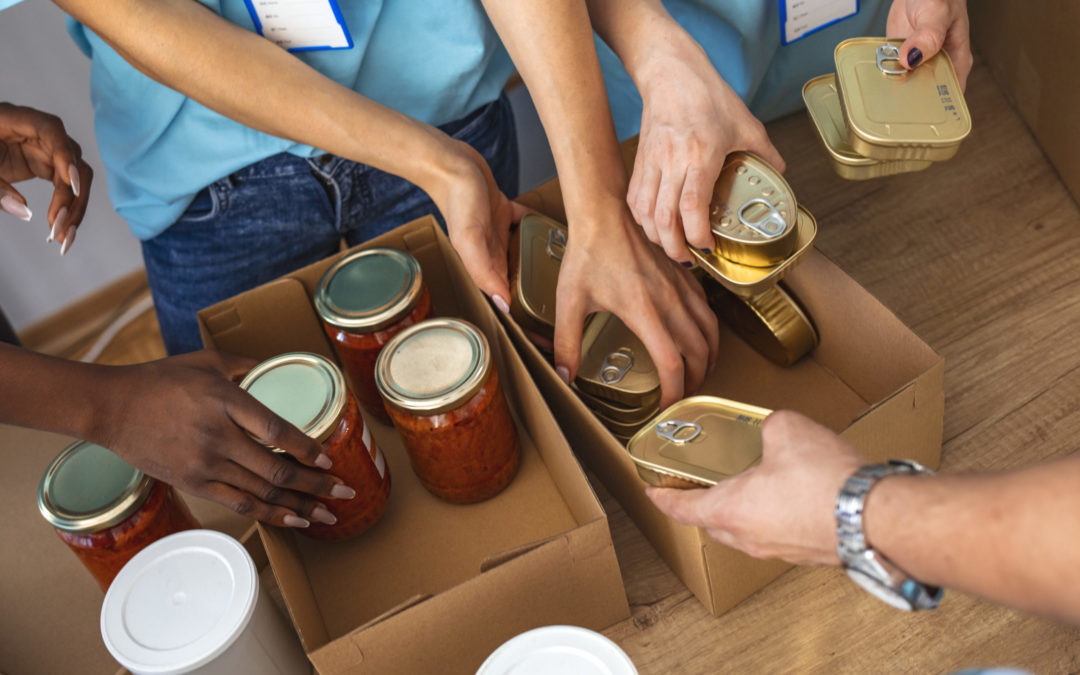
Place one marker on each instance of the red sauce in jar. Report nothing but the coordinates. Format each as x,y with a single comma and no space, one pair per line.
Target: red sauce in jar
364,300
443,394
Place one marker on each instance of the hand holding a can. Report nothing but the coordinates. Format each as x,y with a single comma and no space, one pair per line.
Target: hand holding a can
928,26
34,144
781,508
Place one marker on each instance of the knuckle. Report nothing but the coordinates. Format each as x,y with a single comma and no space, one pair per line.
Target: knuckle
274,429
283,473
274,495
243,505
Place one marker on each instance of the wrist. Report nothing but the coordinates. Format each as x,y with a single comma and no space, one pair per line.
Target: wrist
670,49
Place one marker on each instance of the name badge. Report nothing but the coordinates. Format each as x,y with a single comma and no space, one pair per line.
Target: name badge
799,18
301,25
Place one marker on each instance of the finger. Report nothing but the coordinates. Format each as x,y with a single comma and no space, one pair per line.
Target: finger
692,344
12,202
82,199
647,325
285,473
519,211
926,38
683,506
248,505
666,215
760,145
472,246
59,211
570,311
698,305
300,504
643,200
255,418
694,206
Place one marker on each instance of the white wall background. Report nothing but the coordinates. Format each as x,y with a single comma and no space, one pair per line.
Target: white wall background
41,67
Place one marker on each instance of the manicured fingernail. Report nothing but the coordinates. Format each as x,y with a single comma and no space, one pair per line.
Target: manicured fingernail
67,243
323,516
705,250
501,304
15,208
914,57
73,173
564,374
687,264
323,462
58,223
296,521
341,491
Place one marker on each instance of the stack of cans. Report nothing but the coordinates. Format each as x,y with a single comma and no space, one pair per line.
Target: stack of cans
876,118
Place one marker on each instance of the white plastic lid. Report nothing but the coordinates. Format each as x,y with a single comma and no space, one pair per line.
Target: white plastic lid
179,603
558,649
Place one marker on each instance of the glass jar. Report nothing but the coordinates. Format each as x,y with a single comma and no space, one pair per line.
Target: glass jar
364,300
308,391
444,398
106,510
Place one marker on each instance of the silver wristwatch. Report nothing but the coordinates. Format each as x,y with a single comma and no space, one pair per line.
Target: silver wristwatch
867,567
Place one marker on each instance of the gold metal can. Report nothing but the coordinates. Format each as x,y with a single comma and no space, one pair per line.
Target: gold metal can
615,365
771,322
753,212
823,104
622,429
698,442
536,251
897,114
615,411
747,281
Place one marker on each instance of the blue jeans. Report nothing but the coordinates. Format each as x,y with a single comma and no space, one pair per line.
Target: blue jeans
285,212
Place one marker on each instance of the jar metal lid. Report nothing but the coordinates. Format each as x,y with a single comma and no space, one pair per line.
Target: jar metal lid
536,251
700,440
772,322
306,390
179,603
615,364
753,212
433,367
558,649
87,488
893,113
368,290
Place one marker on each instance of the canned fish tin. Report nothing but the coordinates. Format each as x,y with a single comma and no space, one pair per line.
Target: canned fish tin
827,118
897,114
615,365
698,442
621,430
771,322
617,412
747,281
536,251
753,212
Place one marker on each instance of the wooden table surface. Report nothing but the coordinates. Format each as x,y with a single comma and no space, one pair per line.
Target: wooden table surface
981,257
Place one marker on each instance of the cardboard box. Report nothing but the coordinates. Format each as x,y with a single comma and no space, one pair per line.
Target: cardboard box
871,379
434,587
1028,47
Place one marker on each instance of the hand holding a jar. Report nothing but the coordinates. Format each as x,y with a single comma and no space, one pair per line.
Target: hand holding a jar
928,26
34,144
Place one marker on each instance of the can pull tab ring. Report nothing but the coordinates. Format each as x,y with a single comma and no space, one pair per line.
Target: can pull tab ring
556,243
771,224
678,431
889,52
616,365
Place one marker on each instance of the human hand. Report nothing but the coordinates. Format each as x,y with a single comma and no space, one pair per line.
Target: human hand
612,268
478,218
928,26
35,144
782,508
691,121
185,421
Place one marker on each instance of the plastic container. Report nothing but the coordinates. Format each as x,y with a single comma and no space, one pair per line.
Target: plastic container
558,649
309,391
364,300
106,510
443,394
191,603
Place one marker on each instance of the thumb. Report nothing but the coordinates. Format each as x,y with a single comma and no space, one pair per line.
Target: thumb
763,147
926,39
570,312
12,201
683,506
519,211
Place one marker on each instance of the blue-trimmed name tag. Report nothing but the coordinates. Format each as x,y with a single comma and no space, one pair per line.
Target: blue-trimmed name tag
799,18
301,25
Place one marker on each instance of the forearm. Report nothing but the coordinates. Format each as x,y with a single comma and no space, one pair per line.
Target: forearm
239,74
552,46
1012,537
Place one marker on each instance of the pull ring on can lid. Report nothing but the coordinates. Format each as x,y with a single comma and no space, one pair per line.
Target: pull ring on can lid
556,244
770,225
889,52
616,365
673,430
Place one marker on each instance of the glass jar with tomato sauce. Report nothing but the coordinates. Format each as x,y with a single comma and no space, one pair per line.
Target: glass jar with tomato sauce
308,391
106,510
364,300
443,394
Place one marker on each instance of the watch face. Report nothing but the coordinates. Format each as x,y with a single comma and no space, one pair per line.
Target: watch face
879,590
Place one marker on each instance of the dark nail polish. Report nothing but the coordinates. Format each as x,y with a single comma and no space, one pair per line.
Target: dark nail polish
686,264
914,57
705,250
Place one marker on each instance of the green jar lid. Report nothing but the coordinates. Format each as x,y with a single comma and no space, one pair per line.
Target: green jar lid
306,390
369,290
433,367
87,488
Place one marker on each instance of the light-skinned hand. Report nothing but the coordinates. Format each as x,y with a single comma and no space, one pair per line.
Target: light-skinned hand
928,26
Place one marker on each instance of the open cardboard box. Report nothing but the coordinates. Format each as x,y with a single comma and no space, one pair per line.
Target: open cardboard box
434,587
871,379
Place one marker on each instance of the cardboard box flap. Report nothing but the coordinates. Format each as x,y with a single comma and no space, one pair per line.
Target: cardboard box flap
289,573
